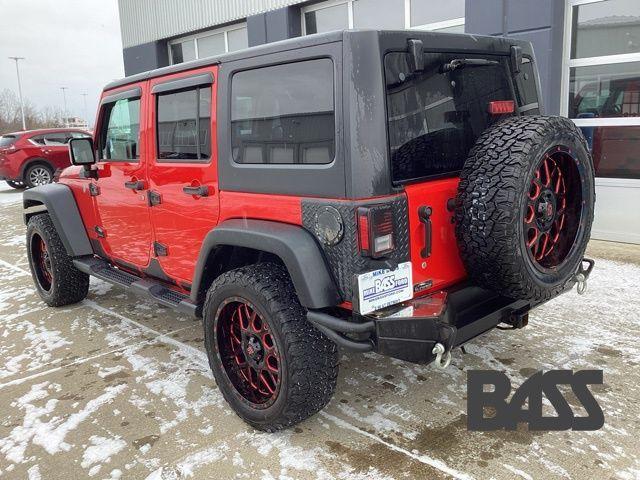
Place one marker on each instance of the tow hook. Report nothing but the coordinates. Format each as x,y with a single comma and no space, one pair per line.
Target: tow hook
443,356
582,275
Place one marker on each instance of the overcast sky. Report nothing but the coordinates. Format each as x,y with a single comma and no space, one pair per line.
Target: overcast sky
66,43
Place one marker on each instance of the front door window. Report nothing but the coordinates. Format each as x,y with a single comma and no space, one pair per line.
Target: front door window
120,137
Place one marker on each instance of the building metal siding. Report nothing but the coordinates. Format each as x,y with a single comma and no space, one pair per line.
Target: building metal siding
143,21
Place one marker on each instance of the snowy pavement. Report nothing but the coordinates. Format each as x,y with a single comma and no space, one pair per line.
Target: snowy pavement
116,387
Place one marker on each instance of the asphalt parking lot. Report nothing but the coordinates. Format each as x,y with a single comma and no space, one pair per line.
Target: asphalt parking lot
118,387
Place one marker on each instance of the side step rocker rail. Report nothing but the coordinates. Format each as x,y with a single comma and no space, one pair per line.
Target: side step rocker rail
142,286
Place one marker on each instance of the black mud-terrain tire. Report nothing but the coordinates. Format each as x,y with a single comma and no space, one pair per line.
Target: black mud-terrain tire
16,184
35,171
308,359
67,284
493,206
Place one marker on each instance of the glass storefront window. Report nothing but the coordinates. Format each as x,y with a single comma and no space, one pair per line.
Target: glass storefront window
379,14
605,28
616,150
424,11
211,45
237,39
327,19
183,51
605,91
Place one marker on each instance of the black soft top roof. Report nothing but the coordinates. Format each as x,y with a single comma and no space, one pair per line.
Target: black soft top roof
389,38
283,45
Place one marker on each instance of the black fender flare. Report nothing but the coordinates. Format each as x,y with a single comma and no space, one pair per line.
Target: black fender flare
295,246
58,201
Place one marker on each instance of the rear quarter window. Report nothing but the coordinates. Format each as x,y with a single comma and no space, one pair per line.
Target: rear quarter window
284,114
7,140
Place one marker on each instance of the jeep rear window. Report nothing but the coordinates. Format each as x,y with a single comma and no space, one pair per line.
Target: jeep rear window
434,118
284,114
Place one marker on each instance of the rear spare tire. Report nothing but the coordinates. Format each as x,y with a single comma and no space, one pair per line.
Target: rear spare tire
525,207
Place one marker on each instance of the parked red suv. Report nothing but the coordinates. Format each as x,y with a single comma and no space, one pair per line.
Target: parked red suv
30,158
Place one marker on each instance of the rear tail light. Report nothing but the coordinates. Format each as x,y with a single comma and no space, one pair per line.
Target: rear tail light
375,230
500,107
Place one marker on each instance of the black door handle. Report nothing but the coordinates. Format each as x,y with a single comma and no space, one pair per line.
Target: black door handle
424,214
201,191
135,185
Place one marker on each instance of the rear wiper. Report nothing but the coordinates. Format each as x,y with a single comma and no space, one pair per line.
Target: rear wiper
457,63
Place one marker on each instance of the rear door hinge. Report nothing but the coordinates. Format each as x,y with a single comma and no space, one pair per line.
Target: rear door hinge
160,250
94,190
154,198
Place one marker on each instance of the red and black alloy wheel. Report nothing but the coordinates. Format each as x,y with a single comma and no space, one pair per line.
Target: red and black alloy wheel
42,262
553,208
57,280
272,366
248,352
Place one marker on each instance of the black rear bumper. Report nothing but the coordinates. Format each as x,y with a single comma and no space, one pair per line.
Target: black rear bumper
411,330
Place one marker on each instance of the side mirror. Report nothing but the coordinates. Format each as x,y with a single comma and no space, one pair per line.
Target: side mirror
81,151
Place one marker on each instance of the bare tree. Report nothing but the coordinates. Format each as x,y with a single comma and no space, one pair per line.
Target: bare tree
10,120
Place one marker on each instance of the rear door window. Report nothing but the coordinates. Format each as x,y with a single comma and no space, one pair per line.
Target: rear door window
37,139
435,116
120,130
284,114
56,139
184,125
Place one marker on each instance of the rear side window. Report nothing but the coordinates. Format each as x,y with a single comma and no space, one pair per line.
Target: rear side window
7,140
284,114
120,130
184,125
56,139
435,115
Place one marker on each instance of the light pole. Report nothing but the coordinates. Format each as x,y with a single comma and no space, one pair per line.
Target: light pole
84,100
64,99
17,59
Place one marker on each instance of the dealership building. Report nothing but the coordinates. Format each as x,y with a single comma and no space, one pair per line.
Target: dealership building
587,51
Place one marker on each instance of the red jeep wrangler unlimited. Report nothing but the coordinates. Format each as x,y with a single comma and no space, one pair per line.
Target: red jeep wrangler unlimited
396,192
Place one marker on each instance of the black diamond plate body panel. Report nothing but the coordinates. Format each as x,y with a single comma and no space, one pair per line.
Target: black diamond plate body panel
344,258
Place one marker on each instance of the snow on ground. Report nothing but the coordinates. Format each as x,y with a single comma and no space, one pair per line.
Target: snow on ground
119,387
9,195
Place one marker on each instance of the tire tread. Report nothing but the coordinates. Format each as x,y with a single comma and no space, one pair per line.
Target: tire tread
311,357
494,178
